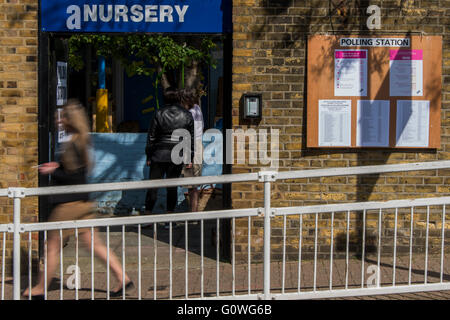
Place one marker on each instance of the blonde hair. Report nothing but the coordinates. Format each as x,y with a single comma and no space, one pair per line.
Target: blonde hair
76,153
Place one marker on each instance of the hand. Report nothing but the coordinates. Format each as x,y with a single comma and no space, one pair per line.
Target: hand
148,163
48,168
188,166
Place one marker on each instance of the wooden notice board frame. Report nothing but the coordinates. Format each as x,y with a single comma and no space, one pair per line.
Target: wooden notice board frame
321,86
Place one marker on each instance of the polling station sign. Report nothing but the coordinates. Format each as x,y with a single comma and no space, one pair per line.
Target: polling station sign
173,16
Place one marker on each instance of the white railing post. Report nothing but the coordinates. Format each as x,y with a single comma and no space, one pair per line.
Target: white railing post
267,177
16,194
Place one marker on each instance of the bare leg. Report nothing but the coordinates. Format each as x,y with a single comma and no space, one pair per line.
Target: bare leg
101,251
53,249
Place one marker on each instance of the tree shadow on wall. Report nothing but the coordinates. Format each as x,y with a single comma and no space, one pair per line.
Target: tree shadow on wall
342,17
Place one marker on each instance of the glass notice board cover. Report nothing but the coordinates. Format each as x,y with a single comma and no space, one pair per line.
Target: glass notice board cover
374,92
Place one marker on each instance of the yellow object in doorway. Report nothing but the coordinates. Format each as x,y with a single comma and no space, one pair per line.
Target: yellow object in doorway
101,120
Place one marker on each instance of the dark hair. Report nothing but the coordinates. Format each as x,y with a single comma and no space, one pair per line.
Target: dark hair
189,97
172,96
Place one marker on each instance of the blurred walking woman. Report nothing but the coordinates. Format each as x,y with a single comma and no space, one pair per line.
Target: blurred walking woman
72,169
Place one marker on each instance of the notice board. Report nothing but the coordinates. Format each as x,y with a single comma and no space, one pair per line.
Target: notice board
374,92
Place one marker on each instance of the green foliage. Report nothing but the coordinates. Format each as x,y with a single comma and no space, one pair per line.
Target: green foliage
137,52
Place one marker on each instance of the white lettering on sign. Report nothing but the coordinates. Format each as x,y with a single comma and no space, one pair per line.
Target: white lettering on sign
181,12
102,13
90,12
122,13
374,42
374,21
73,22
165,11
136,13
150,14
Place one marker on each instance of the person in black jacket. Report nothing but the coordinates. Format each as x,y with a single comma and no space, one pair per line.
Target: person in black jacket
160,144
72,169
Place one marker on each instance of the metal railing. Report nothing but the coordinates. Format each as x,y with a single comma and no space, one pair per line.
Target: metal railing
286,289
377,286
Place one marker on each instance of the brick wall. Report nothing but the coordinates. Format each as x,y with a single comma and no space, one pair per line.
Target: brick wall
269,56
18,104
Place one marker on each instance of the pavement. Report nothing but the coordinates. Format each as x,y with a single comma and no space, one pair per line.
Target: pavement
172,280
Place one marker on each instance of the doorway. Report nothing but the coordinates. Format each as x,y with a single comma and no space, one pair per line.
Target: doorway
132,103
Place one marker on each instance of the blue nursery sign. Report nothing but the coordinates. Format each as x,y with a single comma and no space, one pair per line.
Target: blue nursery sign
181,16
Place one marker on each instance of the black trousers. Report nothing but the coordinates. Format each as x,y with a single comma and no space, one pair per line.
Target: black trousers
157,171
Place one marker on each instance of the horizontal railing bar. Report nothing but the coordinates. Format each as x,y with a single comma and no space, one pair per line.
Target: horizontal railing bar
362,170
6,227
176,217
231,297
221,214
143,184
231,178
360,206
414,288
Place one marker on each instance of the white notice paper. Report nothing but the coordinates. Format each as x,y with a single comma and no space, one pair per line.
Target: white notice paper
413,119
372,123
61,83
62,134
334,123
406,73
350,73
